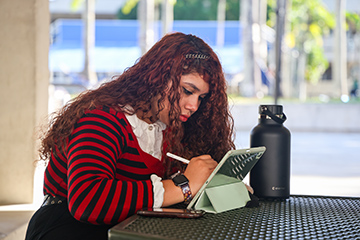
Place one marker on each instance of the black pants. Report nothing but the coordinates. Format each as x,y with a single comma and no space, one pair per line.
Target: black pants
55,222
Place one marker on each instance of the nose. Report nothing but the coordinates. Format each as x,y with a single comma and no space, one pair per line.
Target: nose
192,104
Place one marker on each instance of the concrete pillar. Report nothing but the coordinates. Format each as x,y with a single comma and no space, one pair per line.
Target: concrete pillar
146,17
24,77
167,16
340,51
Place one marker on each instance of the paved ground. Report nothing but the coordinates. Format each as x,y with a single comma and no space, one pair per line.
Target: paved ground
322,163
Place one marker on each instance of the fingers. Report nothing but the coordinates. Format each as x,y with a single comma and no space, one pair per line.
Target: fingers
249,188
204,161
198,170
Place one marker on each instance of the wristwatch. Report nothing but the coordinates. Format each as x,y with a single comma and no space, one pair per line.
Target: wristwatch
181,181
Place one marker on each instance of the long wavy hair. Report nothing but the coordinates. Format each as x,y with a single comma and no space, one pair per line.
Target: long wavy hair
208,131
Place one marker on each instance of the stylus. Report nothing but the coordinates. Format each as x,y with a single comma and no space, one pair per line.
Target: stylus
181,159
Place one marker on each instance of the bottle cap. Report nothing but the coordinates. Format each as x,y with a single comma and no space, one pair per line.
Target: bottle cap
274,112
275,109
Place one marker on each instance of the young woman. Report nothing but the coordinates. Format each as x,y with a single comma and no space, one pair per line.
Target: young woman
106,148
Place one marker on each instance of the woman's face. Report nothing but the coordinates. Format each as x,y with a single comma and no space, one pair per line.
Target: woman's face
193,89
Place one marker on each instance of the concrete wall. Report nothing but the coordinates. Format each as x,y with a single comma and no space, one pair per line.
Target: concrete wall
24,76
329,117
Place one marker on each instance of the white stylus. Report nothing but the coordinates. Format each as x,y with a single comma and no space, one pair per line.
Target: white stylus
181,159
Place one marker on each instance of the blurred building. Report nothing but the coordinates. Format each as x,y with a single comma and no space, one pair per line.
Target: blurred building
117,47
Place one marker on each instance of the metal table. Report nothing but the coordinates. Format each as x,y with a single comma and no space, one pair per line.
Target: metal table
299,217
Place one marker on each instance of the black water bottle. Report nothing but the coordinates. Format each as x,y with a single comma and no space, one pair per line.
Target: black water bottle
270,177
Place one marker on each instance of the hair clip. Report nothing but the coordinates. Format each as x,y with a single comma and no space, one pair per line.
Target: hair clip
197,56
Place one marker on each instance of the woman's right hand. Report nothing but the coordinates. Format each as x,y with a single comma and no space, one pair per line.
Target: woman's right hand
198,170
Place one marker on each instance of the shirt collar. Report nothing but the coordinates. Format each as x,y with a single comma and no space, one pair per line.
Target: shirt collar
139,126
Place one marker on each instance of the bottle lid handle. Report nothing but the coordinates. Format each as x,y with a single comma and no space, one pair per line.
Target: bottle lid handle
266,111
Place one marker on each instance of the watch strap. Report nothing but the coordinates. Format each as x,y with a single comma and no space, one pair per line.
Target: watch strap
187,193
185,187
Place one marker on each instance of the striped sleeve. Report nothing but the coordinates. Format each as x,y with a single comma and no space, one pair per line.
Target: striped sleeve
94,193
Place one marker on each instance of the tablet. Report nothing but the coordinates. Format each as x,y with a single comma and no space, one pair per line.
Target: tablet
235,164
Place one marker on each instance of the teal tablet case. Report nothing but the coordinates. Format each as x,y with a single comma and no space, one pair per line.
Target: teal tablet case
224,189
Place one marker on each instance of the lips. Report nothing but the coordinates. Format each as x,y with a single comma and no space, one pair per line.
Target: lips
183,118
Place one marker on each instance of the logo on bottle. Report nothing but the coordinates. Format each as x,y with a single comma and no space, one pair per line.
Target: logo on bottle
277,188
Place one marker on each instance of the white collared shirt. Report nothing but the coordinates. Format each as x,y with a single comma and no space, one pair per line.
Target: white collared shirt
150,139
149,136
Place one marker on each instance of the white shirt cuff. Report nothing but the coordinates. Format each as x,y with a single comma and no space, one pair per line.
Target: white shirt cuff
158,190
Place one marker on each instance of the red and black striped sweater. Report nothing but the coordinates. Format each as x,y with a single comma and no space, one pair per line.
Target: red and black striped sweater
103,172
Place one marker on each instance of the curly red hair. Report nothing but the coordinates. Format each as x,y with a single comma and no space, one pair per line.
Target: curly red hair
208,131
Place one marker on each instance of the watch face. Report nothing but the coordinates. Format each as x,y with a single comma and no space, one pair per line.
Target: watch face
180,179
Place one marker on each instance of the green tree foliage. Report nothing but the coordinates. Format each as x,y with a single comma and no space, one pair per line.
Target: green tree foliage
309,22
353,22
129,10
187,10
75,4
195,10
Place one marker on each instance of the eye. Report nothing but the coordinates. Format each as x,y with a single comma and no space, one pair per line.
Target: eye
187,92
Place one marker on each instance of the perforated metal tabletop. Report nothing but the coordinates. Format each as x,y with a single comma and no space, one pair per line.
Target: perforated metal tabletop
299,217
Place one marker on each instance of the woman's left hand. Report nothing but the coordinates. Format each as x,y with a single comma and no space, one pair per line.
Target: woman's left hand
249,188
